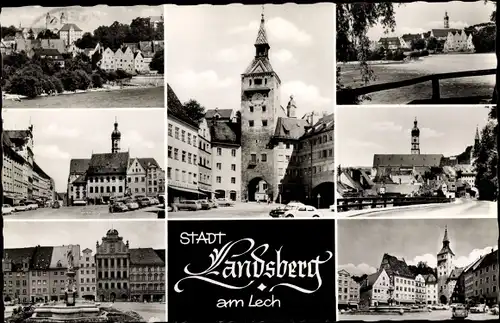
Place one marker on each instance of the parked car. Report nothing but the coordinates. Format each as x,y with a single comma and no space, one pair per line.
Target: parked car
56,205
117,206
189,205
143,202
494,309
131,204
299,210
7,209
332,207
459,312
224,202
213,204
31,205
205,205
80,202
480,308
21,207
153,201
277,212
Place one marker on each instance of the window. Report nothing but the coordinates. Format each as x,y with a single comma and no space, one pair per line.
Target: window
253,158
219,151
264,123
183,156
176,153
189,138
250,123
189,158
258,81
233,167
251,109
219,166
233,152
263,108
233,180
170,130
263,158
219,179
176,132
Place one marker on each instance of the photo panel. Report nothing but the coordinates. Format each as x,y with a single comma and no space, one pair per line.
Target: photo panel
417,269
416,53
250,111
88,271
83,164
112,57
251,270
417,162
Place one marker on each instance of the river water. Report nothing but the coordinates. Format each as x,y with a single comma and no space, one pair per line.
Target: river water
467,86
151,97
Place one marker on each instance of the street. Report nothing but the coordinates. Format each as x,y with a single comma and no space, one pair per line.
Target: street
239,211
146,310
433,316
84,212
460,208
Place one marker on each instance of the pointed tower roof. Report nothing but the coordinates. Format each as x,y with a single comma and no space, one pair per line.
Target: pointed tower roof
415,131
477,133
262,35
446,244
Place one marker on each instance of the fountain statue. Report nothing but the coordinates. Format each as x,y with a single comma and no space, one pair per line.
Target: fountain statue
71,309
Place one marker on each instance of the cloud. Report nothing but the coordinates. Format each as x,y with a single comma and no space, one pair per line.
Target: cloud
278,29
283,56
430,133
50,152
358,270
354,143
386,126
304,95
461,261
205,79
56,130
134,138
234,54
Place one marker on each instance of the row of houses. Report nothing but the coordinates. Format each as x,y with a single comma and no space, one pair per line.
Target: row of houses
205,158
113,271
22,178
396,283
115,174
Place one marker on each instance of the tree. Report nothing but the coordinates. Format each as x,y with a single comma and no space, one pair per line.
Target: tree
487,162
432,43
87,41
31,34
484,39
97,80
96,57
194,110
417,44
8,31
157,63
353,22
47,34
141,30
158,33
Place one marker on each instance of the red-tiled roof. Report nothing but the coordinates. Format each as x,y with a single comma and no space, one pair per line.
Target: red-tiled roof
17,255
395,267
161,253
223,113
67,27
145,256
225,132
145,162
440,33
326,123
108,163
394,160
176,109
78,166
41,258
290,128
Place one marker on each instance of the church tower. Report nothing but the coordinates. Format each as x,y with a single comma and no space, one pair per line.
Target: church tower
115,139
415,139
445,258
260,110
446,20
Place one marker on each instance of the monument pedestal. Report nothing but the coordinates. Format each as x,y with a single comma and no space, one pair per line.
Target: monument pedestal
63,313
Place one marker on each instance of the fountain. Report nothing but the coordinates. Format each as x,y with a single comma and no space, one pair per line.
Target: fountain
71,310
390,308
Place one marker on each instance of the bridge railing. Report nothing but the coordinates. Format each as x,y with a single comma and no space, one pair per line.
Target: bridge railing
350,94
360,203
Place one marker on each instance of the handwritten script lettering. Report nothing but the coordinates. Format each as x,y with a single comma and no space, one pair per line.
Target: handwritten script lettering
248,266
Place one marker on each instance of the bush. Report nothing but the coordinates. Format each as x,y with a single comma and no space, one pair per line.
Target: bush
57,84
27,85
83,79
97,80
121,74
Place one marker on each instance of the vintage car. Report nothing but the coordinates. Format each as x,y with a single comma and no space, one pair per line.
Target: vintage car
299,210
459,312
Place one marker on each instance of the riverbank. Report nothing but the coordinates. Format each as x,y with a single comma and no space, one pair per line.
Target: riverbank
105,88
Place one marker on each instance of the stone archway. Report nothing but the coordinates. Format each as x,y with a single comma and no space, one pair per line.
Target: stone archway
443,299
258,190
326,193
112,297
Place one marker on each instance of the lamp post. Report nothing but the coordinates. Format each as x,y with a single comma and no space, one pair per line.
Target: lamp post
319,197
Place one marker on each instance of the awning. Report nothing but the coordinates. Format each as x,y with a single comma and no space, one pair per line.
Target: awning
183,189
206,191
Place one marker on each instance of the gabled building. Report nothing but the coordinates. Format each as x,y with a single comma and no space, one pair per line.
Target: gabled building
16,278
392,43
431,289
50,54
376,289
147,276
140,64
401,277
348,290
106,176
108,62
77,174
87,275
70,33
136,178
205,159
57,270
39,274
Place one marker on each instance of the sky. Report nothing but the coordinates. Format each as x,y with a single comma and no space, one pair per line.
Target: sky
141,234
87,18
361,244
367,131
209,47
60,135
420,17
